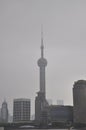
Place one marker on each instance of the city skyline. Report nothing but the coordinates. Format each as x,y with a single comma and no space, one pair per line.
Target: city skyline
64,40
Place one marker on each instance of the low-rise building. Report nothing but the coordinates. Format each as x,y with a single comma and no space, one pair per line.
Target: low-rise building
59,114
21,110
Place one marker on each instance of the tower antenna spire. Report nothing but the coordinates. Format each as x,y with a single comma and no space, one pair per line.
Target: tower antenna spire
42,46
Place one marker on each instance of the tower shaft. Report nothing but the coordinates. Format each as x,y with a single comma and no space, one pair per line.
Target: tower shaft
42,80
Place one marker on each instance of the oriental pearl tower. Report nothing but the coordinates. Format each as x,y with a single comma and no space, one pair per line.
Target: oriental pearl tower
42,63
40,100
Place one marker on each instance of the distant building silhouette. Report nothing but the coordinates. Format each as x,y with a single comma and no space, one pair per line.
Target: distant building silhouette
50,102
4,112
79,100
40,100
60,102
21,110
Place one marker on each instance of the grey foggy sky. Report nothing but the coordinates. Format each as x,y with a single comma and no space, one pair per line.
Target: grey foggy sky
64,25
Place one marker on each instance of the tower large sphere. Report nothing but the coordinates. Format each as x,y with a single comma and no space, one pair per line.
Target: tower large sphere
42,62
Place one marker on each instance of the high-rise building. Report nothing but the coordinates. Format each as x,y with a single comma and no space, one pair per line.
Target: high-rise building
40,101
4,112
79,98
21,110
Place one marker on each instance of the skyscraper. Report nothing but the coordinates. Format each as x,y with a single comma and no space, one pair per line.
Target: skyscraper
21,110
79,101
40,101
4,112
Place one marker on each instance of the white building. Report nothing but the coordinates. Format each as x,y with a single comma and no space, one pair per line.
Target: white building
21,110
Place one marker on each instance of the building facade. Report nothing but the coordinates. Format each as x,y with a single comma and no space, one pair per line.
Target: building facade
56,114
61,113
21,110
4,112
79,101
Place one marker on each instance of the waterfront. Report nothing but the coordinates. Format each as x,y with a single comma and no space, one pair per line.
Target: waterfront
48,129
45,129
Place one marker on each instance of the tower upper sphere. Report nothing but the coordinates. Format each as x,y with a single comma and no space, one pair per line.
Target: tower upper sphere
42,62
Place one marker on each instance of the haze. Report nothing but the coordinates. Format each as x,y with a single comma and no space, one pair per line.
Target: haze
64,28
